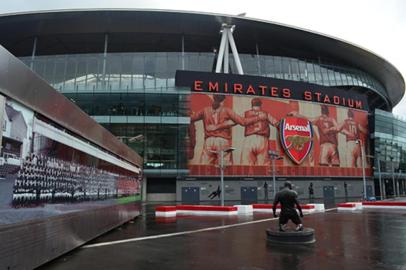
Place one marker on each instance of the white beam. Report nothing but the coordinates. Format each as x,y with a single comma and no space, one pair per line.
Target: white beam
226,52
234,51
221,51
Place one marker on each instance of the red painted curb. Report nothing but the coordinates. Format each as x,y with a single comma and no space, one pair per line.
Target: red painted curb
385,203
206,208
165,208
346,205
307,207
264,206
269,206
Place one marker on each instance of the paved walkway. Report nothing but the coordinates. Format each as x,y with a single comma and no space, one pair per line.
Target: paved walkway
372,239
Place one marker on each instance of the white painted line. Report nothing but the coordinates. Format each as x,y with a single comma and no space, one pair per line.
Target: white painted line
175,234
181,233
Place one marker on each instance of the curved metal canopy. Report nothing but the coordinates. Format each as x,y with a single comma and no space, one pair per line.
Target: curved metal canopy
82,31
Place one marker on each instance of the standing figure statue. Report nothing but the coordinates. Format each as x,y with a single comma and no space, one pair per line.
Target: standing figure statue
215,193
311,192
288,199
266,191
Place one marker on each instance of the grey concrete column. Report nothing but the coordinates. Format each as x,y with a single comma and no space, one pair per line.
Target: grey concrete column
144,189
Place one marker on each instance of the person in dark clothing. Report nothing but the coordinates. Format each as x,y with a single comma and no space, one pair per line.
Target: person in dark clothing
288,199
311,193
266,191
215,193
346,191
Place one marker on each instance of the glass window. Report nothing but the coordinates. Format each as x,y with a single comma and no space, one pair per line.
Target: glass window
59,77
103,104
324,76
40,66
151,71
338,79
134,130
269,69
84,101
294,69
135,104
249,63
183,109
126,72
182,146
331,77
137,71
303,71
192,61
153,104
174,63
161,72
311,77
49,70
81,74
317,73
348,78
278,67
94,72
113,72
170,106
169,146
153,146
207,62
286,68
70,75
343,77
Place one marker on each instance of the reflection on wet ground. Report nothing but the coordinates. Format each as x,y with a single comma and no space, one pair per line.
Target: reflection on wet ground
10,215
371,239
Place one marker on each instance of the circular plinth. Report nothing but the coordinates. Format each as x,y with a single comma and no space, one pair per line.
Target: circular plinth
291,237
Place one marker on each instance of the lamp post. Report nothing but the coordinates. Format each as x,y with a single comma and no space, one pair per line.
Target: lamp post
274,156
379,173
363,167
380,179
397,182
393,177
222,167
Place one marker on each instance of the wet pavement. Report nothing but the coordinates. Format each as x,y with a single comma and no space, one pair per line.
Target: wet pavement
371,239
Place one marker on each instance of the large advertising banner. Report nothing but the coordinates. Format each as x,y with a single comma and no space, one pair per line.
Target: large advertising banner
312,139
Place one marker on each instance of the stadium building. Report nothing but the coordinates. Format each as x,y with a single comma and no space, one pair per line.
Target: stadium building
197,94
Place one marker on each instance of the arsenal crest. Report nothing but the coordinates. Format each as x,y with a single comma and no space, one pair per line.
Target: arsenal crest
296,136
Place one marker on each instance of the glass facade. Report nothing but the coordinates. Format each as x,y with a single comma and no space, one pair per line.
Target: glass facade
134,94
390,151
134,72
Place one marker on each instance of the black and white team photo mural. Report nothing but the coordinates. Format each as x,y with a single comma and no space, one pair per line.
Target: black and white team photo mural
39,171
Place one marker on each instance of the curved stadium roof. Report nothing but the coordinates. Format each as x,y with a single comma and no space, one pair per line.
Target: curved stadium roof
82,31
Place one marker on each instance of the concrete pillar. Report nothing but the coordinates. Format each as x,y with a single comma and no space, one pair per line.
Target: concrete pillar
144,189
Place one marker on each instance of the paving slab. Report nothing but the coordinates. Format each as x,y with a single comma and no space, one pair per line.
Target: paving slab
373,239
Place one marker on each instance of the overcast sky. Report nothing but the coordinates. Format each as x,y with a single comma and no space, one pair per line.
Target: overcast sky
377,25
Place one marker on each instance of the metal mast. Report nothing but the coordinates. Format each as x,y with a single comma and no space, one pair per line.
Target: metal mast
227,41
